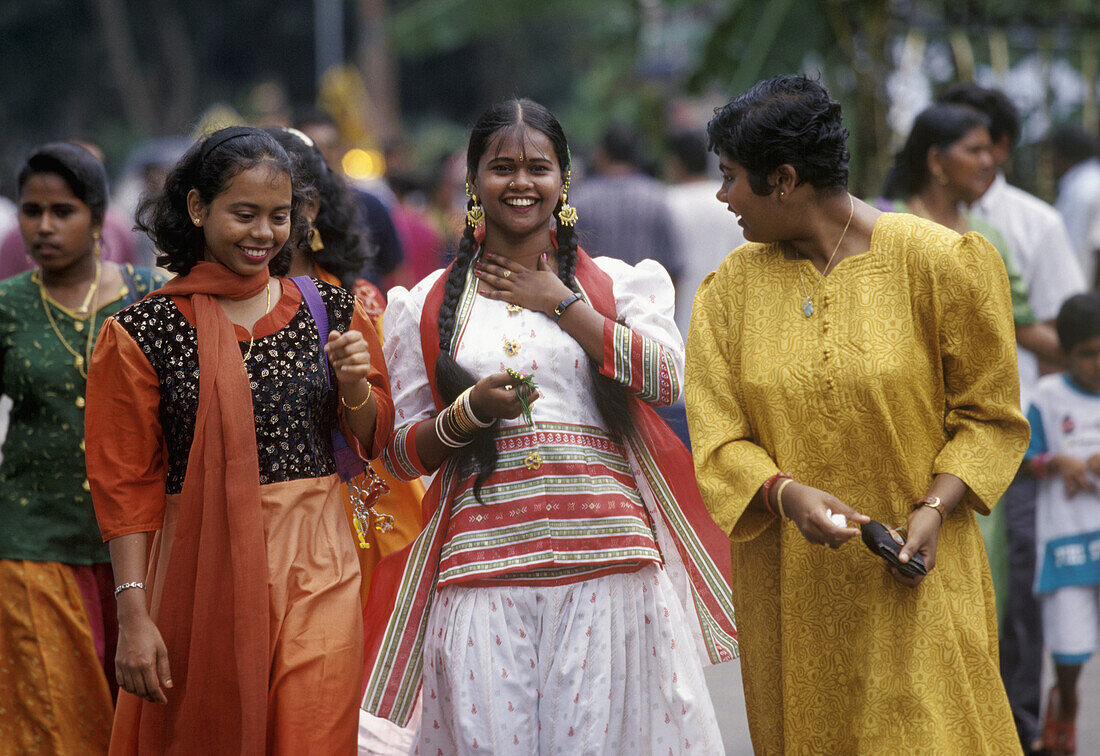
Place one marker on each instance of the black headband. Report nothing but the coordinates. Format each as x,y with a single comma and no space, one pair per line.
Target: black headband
239,131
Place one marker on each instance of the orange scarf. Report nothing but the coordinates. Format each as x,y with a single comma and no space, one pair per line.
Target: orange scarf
214,611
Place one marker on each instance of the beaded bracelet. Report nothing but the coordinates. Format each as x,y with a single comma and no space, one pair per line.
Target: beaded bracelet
132,584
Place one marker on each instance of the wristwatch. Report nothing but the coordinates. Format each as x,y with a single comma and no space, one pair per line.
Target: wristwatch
932,502
564,305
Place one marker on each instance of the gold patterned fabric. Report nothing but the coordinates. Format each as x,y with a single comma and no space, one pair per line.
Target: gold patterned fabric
906,369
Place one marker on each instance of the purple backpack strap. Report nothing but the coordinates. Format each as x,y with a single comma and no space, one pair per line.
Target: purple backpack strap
348,463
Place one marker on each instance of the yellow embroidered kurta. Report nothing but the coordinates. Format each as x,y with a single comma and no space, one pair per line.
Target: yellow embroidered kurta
906,369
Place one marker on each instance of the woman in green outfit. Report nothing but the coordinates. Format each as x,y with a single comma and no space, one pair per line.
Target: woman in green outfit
57,609
945,165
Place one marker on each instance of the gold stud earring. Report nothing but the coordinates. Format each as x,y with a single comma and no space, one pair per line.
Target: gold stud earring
196,221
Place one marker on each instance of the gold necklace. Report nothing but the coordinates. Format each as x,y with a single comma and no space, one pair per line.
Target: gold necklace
252,332
808,301
80,361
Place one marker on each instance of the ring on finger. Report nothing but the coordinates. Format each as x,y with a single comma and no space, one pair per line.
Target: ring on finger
506,275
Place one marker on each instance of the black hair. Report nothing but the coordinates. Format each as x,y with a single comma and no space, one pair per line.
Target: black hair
208,167
622,144
785,120
1002,115
1078,319
78,168
345,250
494,126
690,149
1072,143
939,125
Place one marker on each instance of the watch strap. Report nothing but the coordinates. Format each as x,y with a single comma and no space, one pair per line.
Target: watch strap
932,502
565,304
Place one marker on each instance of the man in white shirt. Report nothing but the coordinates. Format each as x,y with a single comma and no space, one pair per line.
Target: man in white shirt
703,226
1073,154
1041,248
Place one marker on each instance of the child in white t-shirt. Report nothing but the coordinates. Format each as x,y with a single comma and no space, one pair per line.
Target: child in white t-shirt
1065,455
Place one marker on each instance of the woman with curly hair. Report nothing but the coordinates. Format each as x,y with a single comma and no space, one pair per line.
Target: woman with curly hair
212,407
568,586
844,365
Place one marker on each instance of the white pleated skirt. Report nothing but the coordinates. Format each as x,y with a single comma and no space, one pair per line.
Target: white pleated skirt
603,666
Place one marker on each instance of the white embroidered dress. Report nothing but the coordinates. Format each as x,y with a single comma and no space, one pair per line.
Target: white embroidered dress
512,662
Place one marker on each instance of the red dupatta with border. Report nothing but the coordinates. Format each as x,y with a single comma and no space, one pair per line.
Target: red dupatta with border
403,586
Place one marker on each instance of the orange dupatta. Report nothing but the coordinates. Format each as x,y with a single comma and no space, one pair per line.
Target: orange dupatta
213,615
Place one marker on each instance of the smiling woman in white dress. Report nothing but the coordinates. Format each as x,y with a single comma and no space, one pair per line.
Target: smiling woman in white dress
569,584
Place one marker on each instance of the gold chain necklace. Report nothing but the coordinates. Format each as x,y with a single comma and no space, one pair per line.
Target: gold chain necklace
808,301
252,331
80,361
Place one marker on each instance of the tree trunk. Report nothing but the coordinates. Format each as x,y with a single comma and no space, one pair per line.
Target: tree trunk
137,100
861,30
378,66
177,56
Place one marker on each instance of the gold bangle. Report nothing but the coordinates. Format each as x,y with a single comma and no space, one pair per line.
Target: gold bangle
779,496
370,392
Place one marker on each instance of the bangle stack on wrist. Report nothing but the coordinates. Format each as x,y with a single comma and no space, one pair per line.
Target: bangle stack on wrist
779,495
457,425
767,489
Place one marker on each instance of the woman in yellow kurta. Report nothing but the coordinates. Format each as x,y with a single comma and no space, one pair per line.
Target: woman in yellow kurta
870,356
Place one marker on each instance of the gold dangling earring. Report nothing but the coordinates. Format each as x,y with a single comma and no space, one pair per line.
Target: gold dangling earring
96,247
313,238
475,216
567,216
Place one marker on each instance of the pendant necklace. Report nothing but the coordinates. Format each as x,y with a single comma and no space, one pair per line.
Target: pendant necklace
80,361
252,333
808,299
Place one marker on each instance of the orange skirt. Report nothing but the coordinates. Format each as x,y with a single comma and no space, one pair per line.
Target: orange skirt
53,693
316,646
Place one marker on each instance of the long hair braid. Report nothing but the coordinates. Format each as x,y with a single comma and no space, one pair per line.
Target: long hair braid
481,455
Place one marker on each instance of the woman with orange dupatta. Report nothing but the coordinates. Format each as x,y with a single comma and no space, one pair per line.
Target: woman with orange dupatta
209,425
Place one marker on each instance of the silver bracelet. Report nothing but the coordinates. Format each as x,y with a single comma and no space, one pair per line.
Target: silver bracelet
124,586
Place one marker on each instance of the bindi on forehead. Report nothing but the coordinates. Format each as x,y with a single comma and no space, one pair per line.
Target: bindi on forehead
522,145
